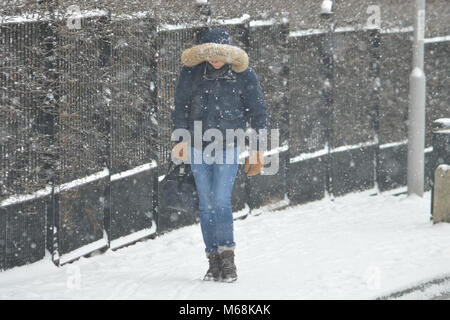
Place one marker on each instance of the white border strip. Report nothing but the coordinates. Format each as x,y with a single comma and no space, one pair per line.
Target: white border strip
77,253
171,27
309,155
82,181
393,144
27,197
397,30
242,19
196,24
326,150
16,199
123,241
348,29
22,19
270,152
271,207
84,14
395,191
353,147
261,23
276,150
46,16
244,212
437,39
309,32
305,33
134,171
134,15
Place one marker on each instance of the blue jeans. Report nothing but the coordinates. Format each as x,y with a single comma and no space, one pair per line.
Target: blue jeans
214,184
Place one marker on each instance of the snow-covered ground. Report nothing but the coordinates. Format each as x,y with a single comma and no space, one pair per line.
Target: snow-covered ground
355,247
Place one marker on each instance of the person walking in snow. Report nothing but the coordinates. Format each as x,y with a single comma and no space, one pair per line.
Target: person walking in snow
217,89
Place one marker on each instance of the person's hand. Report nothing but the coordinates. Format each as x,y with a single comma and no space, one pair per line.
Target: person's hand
255,163
180,151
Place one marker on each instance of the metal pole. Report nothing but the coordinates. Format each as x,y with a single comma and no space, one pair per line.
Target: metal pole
416,115
327,70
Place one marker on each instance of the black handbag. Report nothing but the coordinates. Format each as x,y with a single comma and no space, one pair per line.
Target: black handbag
178,191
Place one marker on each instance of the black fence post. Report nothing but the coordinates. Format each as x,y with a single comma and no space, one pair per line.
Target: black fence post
153,105
105,62
327,71
374,75
284,118
49,118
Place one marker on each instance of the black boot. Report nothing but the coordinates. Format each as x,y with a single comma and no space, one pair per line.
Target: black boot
227,266
213,273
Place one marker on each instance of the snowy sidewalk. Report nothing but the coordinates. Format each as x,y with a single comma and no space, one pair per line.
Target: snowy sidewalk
355,247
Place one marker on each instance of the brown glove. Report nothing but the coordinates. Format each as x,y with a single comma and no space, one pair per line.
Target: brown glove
255,163
180,151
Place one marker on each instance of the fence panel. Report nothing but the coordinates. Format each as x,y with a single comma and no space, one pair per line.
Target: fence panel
25,232
22,104
88,110
269,56
395,67
25,149
308,119
2,239
130,93
80,215
353,139
81,138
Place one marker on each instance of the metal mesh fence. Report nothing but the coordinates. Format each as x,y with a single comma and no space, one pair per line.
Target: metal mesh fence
308,119
25,232
170,44
129,93
25,147
269,56
2,238
131,98
23,138
353,125
81,107
353,84
80,136
394,73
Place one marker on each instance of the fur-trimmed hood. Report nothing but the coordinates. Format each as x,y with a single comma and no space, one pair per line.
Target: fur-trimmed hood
216,45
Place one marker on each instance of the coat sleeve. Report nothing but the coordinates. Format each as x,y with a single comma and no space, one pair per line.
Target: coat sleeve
254,103
183,95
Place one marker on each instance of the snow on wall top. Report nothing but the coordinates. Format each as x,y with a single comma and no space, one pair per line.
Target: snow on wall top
303,15
443,122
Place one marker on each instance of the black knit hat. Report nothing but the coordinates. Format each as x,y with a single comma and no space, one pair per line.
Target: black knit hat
220,36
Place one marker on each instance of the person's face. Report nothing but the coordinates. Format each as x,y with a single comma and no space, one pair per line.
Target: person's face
216,64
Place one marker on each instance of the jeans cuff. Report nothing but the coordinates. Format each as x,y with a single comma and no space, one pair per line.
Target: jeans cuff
225,248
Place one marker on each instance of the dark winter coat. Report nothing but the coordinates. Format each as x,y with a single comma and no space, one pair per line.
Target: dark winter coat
222,99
